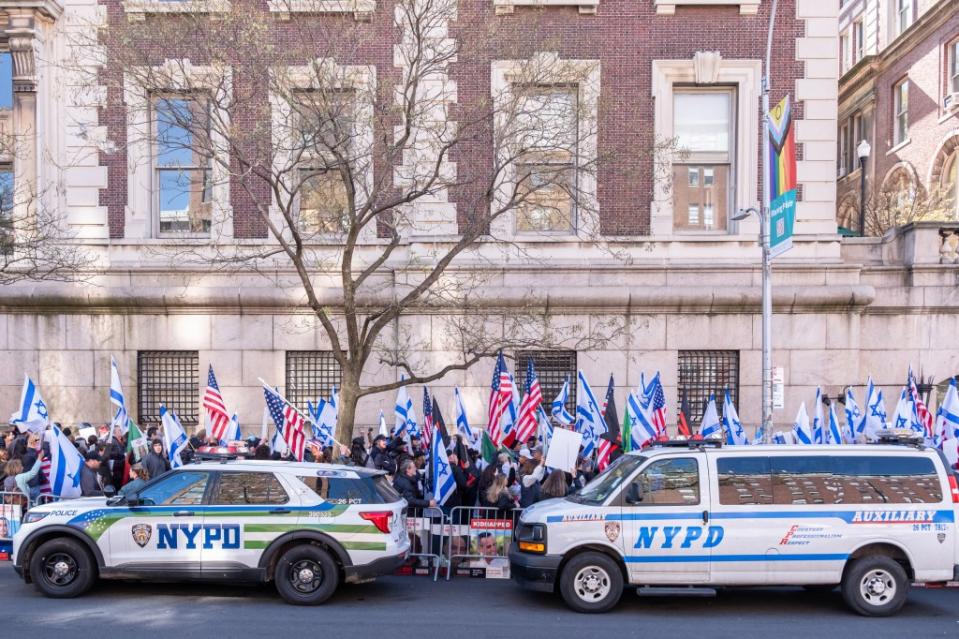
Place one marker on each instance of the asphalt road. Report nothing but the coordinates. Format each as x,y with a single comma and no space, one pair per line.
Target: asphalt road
416,608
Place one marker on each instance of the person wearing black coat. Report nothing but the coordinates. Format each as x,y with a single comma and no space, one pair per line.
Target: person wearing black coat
155,461
406,485
382,460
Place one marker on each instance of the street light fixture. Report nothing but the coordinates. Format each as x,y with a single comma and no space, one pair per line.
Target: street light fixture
863,151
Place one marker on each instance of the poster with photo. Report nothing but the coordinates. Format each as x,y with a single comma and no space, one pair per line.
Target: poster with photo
9,524
489,542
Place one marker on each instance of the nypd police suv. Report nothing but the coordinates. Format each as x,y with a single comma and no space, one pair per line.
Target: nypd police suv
306,527
869,519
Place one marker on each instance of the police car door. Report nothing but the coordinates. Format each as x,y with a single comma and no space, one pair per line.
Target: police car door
247,511
665,511
164,530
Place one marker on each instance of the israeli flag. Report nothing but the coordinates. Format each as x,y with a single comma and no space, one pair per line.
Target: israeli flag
875,419
779,437
711,426
902,418
33,414
544,429
641,429
402,412
462,424
440,472
232,433
854,417
801,430
174,437
384,431
818,434
589,420
323,417
833,433
116,398
559,411
947,423
735,434
65,465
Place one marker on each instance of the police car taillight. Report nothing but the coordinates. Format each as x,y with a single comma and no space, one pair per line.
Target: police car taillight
382,520
954,488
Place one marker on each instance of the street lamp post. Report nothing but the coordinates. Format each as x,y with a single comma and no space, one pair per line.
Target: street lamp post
863,151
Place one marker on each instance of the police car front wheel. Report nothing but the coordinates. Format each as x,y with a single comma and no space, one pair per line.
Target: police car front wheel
306,575
875,586
62,568
591,582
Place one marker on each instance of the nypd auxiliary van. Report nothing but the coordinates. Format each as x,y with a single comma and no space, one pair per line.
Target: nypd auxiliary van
869,519
306,527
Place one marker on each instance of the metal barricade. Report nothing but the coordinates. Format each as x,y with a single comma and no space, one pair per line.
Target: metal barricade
426,527
13,505
480,537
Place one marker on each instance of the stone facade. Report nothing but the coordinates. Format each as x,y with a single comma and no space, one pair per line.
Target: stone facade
844,310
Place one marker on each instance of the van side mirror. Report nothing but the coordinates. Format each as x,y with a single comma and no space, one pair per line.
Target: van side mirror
634,494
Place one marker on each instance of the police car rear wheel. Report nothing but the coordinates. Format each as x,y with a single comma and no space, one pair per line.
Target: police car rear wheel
62,568
591,582
306,575
875,586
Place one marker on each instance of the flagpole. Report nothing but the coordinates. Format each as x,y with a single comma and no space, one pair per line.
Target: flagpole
764,220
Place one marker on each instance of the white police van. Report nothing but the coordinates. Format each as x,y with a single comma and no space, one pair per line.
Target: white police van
306,527
870,519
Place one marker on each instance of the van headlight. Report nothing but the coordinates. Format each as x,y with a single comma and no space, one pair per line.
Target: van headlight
33,517
531,538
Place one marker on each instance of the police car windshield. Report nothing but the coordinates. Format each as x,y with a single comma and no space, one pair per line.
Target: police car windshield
607,482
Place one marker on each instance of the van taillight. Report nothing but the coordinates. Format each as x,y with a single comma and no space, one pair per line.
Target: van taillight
954,488
382,520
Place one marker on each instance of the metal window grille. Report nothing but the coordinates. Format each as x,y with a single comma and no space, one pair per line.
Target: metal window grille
310,376
552,369
705,373
169,378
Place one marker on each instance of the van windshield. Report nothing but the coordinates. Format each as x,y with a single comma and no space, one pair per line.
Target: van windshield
607,482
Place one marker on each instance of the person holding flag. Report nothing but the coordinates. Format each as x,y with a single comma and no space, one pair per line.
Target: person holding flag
174,437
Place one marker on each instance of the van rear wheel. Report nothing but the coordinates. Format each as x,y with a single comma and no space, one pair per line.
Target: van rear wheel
875,586
591,582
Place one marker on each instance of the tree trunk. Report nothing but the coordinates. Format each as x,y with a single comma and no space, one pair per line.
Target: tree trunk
346,413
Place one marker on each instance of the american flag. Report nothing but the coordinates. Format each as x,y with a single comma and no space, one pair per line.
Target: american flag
658,404
427,417
922,411
532,401
501,393
288,421
215,408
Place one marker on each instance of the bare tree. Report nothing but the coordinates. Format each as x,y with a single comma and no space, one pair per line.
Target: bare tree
345,163
900,200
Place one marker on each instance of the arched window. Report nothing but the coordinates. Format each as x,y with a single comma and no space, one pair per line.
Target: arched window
849,213
949,184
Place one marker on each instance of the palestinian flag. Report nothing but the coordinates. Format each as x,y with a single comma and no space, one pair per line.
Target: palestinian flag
682,422
439,424
137,446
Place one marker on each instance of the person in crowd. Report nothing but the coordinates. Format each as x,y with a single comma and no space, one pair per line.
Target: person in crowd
485,481
93,476
138,479
419,458
498,496
156,463
17,479
468,483
416,444
152,433
381,455
531,477
358,455
261,452
115,457
407,484
399,450
554,486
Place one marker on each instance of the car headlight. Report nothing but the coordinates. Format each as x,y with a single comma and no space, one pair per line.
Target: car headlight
33,517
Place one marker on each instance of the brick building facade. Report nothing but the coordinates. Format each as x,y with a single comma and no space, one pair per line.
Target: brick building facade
683,282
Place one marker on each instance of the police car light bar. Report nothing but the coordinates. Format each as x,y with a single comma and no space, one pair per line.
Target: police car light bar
692,442
900,437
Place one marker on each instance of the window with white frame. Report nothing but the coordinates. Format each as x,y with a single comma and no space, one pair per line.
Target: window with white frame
903,17
703,125
845,51
952,57
842,163
547,128
858,41
900,106
325,141
182,164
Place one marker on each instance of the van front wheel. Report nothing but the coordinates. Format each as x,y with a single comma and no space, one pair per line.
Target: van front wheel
875,586
591,582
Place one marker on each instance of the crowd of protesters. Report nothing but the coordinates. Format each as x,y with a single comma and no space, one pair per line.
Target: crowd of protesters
515,477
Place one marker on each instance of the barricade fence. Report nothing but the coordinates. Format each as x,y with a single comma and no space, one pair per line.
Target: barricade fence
425,527
12,507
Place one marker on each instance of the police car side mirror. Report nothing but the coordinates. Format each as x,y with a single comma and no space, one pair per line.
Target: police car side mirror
634,494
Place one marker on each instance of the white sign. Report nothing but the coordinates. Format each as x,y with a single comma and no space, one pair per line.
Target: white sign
779,388
563,450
